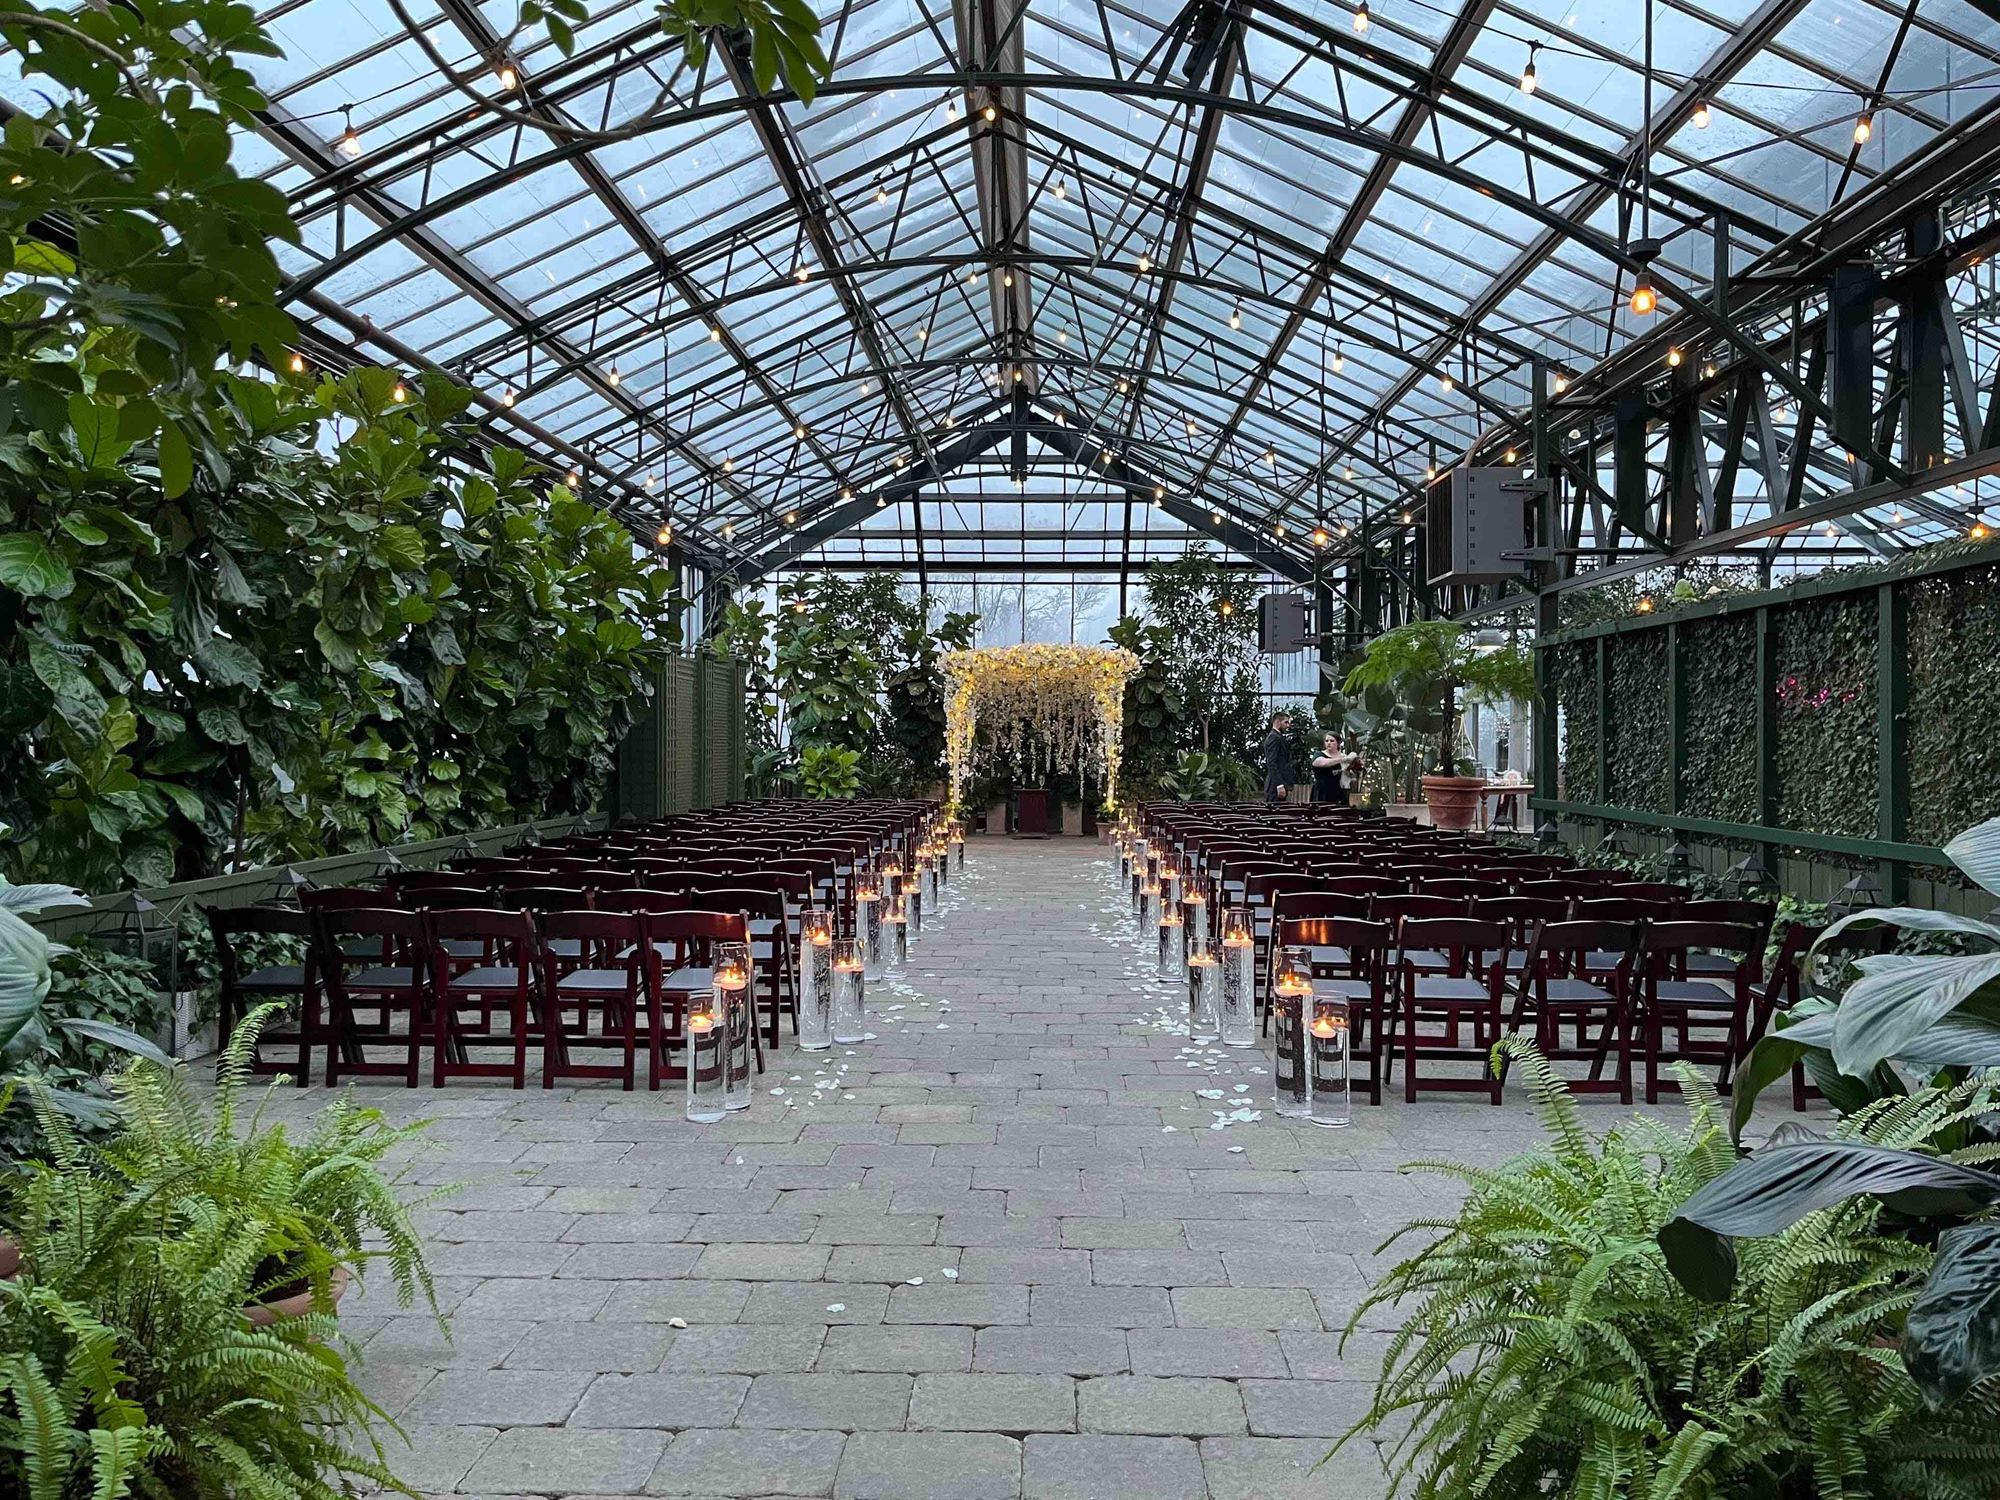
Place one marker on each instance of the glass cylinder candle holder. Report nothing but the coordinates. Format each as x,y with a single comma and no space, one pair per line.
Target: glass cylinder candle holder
1194,908
1331,1098
913,903
1173,960
707,1054
1204,967
1291,1007
958,843
850,991
1170,882
733,998
895,933
868,917
1149,905
1239,966
815,980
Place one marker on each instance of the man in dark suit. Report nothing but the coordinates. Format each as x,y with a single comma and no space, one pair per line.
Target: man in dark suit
1277,758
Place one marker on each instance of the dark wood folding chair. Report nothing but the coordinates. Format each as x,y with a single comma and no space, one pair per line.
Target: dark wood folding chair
1350,958
1680,1018
684,944
508,979
1565,982
775,960
1450,1012
241,987
374,959
594,963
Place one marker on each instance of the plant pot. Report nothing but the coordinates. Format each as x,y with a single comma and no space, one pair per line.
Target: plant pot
10,1258
1453,800
264,1314
1072,819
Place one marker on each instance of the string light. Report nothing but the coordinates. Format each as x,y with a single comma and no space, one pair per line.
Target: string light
1561,382
1339,360
1320,535
1124,385
666,535
728,464
1708,371
575,478
1019,374
1006,278
1864,127
792,519
507,396
1445,382
1215,517
1271,457
1644,298
1062,191
612,376
1159,492
1700,117
881,192
990,113
715,333
1361,16
1193,426
298,364
1528,79
951,111
1145,261
1509,457
349,143
1645,605
1226,609
400,394
1896,516
1236,316
800,273
1062,337
508,74
728,530
1674,357
799,432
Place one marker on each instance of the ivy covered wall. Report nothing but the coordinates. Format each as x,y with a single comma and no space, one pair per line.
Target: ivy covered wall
1825,717
1953,723
1719,735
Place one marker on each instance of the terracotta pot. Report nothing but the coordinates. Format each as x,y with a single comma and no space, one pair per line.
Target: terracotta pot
1453,800
10,1258
264,1314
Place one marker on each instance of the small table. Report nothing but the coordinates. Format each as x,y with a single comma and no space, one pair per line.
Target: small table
1031,812
1500,792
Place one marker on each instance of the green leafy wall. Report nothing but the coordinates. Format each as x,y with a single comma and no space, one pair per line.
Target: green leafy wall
1572,676
1826,714
1635,750
1953,723
1719,735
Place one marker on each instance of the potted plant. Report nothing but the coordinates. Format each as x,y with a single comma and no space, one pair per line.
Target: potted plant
211,1248
1427,662
1547,1348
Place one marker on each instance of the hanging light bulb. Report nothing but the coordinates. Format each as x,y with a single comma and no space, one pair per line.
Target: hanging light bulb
349,142
715,333
1508,457
1445,381
799,432
612,376
1124,385
666,534
1708,371
990,113
508,75
298,363
1896,516
1019,374
1320,535
1864,127
792,519
1062,191
951,111
1528,79
1236,316
507,396
1062,335
1700,117
1159,492
1644,298
1215,517
1006,278
1561,382
1145,261
881,192
1339,360
1361,16
575,478
728,530
1674,357
799,272
1193,427
400,394
1271,457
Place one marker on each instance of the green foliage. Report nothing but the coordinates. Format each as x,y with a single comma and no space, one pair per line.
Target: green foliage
1826,726
829,771
1548,1350
246,619
1572,675
1151,719
164,1234
783,37
1208,613
1954,702
1636,738
1427,662
1203,776
744,634
1719,740
857,663
65,1428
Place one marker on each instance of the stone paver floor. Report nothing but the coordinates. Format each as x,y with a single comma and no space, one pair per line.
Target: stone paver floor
995,1252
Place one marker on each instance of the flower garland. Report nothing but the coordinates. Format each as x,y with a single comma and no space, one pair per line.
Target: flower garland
1044,708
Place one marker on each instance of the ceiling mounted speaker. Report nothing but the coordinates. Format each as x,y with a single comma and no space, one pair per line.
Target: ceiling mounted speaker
1282,624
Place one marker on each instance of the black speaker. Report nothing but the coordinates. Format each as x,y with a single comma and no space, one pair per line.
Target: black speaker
1281,624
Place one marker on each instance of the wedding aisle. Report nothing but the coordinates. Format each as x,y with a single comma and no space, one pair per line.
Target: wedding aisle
996,1251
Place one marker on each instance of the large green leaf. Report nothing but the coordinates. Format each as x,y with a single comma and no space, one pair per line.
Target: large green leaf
1951,1339
122,1037
1772,1058
1899,996
24,977
28,566
20,898
1776,1187
1977,852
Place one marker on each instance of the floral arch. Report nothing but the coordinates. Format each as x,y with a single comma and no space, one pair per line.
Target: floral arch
1046,708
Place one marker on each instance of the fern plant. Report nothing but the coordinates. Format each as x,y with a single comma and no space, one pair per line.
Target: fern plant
166,1233
1548,1350
65,1428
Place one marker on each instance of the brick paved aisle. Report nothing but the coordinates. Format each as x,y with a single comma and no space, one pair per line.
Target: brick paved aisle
995,1252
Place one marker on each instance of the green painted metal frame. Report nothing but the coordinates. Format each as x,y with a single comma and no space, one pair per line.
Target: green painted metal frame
1892,855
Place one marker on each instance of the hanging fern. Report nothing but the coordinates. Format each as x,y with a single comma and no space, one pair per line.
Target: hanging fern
1545,1349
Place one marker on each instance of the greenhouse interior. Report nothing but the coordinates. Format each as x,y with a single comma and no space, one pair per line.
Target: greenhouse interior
1210,750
